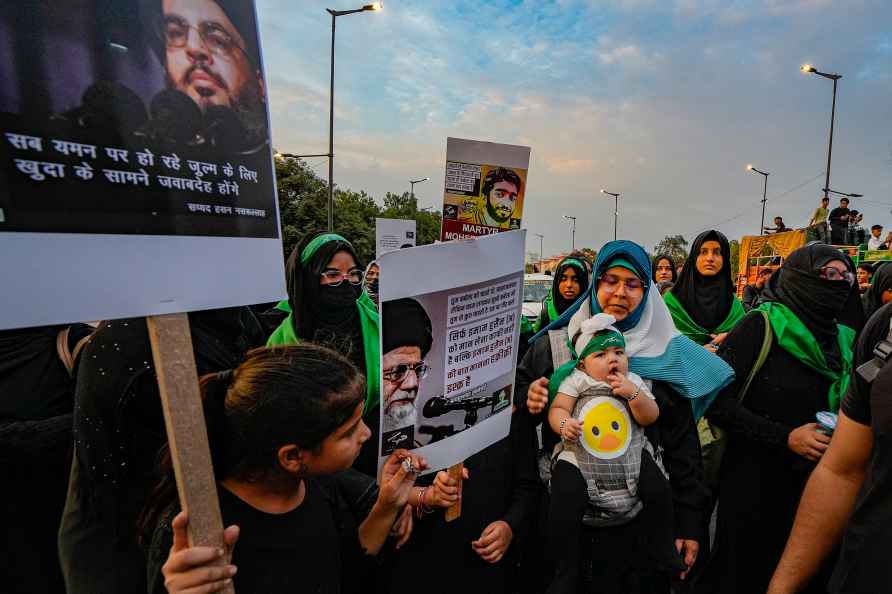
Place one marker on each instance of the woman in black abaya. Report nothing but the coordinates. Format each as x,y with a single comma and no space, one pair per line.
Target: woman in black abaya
773,442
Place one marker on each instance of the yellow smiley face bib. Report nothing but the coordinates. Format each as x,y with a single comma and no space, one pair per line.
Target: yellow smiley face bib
606,427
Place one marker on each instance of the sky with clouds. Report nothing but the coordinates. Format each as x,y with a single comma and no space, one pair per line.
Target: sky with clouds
663,101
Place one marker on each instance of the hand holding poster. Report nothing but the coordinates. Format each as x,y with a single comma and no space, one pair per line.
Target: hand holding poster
449,346
485,188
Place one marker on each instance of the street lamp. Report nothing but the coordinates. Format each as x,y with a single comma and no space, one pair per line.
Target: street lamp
541,257
334,14
809,69
412,183
573,233
279,155
765,174
615,209
847,195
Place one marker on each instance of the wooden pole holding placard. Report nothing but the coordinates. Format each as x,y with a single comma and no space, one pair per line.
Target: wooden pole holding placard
455,471
186,430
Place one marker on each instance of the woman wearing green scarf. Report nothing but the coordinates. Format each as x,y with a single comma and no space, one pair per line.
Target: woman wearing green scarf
702,302
326,305
773,442
570,281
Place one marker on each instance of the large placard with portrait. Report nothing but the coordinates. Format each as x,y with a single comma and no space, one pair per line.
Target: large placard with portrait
449,346
484,189
134,159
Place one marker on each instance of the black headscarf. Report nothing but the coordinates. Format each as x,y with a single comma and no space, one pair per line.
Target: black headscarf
879,284
324,314
707,299
577,264
816,301
671,263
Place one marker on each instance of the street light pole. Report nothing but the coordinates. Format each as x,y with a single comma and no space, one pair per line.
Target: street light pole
334,15
573,233
765,174
412,183
541,256
615,209
834,77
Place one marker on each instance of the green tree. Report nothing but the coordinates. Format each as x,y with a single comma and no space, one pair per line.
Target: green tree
735,257
675,246
405,206
303,207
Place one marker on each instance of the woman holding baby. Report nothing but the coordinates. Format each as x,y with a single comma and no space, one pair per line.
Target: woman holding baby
620,444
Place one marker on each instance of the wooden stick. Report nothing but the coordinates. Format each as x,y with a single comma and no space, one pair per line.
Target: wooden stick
455,472
186,430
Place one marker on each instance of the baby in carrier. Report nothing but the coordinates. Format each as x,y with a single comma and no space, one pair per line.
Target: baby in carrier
604,459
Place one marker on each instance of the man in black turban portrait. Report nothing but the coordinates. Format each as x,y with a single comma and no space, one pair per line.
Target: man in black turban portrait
407,339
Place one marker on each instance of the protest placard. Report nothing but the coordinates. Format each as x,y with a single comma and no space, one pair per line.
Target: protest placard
137,180
449,346
129,181
485,188
393,234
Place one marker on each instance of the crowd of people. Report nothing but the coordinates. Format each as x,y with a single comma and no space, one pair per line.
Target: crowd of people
662,436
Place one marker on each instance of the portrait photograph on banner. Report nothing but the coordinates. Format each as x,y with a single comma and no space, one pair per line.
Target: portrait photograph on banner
115,121
485,185
449,347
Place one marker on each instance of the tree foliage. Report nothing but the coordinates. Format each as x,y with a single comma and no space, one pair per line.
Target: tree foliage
303,206
675,246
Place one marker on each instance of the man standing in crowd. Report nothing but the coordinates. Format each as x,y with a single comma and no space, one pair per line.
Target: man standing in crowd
779,226
864,274
407,340
751,293
875,243
819,221
839,222
501,188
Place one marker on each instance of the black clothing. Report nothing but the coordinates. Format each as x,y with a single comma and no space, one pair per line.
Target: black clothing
879,284
503,485
118,431
761,479
707,299
863,563
675,432
561,304
816,301
751,296
312,548
838,225
569,499
36,399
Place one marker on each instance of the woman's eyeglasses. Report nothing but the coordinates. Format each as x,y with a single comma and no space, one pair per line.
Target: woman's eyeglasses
833,274
333,278
611,282
399,372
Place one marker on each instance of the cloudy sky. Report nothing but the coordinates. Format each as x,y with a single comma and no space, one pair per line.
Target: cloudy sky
663,101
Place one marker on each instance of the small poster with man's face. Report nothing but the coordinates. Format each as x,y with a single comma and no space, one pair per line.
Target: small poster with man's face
449,346
485,188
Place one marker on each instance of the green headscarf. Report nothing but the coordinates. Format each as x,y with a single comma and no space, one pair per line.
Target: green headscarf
796,339
687,326
598,334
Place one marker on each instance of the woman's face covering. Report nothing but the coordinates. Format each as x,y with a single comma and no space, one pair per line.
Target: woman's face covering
663,270
709,260
339,450
568,285
615,296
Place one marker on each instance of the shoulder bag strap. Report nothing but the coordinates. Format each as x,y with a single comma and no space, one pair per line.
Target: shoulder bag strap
760,360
